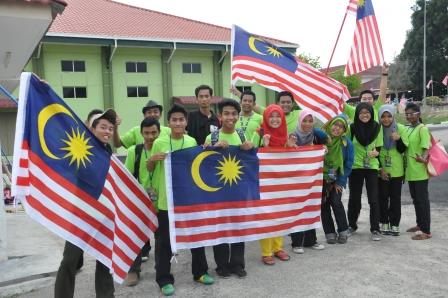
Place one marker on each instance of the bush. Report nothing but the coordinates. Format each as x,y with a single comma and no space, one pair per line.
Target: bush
434,101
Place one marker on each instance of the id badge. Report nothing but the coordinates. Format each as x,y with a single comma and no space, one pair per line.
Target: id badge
331,174
388,161
366,162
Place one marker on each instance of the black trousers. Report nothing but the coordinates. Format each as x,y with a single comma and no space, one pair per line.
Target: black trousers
356,182
65,278
304,239
229,256
137,265
389,195
163,252
199,264
420,199
332,200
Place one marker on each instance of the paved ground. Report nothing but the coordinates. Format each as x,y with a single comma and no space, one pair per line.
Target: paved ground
393,267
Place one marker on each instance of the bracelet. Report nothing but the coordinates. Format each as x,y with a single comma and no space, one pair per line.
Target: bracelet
385,74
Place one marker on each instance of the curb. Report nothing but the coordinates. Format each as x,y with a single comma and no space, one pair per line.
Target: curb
26,287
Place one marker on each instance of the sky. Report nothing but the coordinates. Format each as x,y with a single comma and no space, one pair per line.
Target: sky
312,24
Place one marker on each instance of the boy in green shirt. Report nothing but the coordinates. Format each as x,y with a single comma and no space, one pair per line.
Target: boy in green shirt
177,140
248,121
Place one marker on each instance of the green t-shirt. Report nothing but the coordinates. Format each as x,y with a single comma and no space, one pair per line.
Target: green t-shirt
419,140
249,124
164,144
231,138
134,136
143,174
361,152
350,110
396,166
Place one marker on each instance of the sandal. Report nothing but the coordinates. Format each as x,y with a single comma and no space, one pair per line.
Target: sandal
282,255
421,236
268,260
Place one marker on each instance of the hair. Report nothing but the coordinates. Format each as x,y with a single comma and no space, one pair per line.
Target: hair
93,112
177,109
285,93
110,119
148,122
203,87
414,107
248,92
365,92
228,102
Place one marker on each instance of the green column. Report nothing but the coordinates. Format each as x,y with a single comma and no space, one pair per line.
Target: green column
217,74
167,82
106,71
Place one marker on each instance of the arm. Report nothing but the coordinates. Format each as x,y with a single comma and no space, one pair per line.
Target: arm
117,140
383,83
349,156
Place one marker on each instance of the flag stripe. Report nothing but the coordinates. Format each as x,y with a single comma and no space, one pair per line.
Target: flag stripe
297,173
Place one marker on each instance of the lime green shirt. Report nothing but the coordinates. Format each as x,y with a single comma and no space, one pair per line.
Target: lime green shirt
249,124
164,144
231,138
361,152
350,110
143,174
419,140
396,166
134,136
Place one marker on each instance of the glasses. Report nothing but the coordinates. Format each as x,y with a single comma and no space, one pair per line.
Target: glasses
411,114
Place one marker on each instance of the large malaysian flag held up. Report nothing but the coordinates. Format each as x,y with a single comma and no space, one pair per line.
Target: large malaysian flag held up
256,60
73,186
227,196
366,51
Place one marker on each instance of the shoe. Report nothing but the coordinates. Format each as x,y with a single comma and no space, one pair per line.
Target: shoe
269,260
318,246
419,235
331,241
298,250
385,229
241,273
282,255
145,259
132,279
167,290
342,239
351,231
223,272
206,279
395,231
331,238
376,236
413,229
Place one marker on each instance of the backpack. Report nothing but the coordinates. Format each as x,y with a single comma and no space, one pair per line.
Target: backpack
138,157
215,135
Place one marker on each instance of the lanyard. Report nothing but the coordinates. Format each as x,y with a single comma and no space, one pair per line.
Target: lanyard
181,147
244,126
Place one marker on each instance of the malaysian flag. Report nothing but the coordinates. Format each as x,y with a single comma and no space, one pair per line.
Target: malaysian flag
256,60
366,50
227,196
429,84
72,185
445,80
352,6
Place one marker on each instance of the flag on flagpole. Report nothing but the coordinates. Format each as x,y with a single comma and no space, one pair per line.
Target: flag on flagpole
445,80
228,196
352,6
366,50
256,60
73,186
429,84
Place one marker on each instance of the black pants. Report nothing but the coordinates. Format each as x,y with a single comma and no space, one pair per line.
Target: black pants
420,199
304,239
389,195
163,251
332,200
356,183
229,256
65,278
199,264
137,265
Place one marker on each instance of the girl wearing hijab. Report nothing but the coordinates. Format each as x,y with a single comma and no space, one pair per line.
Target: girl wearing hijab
306,135
395,141
367,141
337,167
273,134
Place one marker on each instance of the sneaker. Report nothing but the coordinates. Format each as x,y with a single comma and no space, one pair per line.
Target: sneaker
268,260
206,279
342,239
395,231
385,229
282,255
413,229
132,279
167,290
351,231
298,250
318,246
241,273
376,236
331,238
223,272
419,235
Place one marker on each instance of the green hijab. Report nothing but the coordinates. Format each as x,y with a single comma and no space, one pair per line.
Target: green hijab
334,158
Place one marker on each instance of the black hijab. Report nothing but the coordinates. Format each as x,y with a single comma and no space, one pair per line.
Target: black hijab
365,133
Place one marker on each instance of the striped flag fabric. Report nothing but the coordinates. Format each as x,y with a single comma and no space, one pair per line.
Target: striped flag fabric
429,84
445,80
367,50
276,192
258,61
71,184
352,6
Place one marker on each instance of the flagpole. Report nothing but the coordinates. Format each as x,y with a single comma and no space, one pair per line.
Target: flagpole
336,43
432,87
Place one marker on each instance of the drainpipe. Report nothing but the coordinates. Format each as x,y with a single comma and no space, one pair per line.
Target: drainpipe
172,53
113,51
223,55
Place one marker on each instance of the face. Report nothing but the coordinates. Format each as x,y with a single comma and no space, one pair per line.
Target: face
152,113
104,130
368,98
286,103
275,120
177,123
364,116
229,116
247,103
307,124
337,129
150,134
204,98
412,116
386,119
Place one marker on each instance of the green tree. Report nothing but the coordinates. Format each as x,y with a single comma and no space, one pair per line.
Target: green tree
352,82
400,78
307,58
436,43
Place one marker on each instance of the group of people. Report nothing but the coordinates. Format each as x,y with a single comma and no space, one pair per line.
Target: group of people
363,145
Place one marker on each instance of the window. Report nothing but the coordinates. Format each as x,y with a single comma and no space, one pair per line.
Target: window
73,65
136,67
74,92
244,88
137,91
191,68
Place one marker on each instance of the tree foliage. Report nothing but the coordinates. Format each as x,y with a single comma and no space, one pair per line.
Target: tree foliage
313,61
353,82
436,44
400,78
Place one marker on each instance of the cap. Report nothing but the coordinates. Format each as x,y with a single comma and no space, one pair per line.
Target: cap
152,104
107,114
